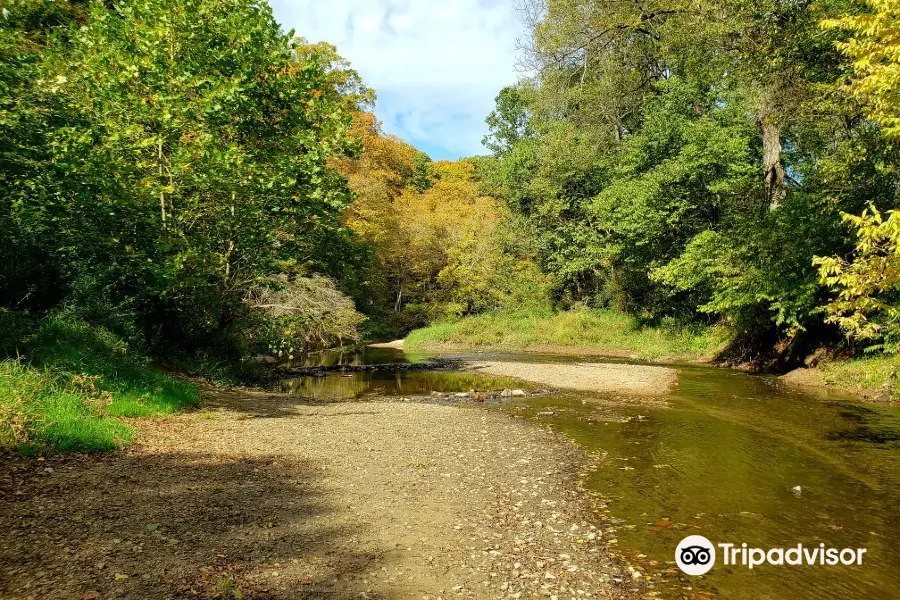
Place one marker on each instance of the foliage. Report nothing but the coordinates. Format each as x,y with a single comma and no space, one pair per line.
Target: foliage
867,306
15,328
183,158
508,123
188,178
305,314
439,245
687,160
875,50
384,167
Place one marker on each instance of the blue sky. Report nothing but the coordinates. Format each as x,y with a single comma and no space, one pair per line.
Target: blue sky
436,65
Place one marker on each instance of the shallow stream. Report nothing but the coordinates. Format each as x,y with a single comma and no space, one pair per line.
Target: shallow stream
723,459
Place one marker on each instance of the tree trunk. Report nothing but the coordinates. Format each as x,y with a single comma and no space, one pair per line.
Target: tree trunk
162,195
770,119
399,296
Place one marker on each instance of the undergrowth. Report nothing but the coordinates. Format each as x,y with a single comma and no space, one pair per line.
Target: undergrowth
70,384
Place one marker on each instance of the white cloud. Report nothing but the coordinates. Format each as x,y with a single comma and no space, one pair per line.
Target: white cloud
436,65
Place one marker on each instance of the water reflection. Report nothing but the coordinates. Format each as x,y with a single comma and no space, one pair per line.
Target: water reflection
349,386
353,355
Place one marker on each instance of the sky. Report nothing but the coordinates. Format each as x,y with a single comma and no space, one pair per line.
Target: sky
436,65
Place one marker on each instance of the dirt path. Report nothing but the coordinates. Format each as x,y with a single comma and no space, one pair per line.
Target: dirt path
270,497
588,377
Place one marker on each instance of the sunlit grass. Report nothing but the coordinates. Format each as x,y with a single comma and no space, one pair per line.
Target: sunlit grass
598,330
37,410
866,373
72,383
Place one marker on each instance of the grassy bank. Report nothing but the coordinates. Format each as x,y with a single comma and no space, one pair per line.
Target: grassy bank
71,384
582,330
612,333
863,375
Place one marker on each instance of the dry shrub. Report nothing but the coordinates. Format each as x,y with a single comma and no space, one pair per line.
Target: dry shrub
304,314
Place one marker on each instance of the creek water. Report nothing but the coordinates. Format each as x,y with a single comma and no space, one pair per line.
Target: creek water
721,457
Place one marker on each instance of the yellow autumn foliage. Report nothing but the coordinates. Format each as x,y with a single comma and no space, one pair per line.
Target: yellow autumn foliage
874,47
436,248
868,287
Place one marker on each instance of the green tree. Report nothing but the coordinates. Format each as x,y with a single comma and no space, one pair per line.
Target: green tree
508,122
187,161
689,159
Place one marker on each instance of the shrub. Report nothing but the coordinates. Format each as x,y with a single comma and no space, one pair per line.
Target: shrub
304,314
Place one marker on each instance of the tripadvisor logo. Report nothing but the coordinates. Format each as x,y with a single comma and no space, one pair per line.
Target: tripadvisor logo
696,555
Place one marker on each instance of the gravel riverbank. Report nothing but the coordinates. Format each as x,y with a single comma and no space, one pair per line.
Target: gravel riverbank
261,496
588,377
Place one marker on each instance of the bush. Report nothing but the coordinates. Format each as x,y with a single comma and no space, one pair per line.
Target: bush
303,314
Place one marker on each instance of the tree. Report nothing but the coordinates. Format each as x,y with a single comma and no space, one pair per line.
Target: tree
874,48
867,306
378,174
29,277
508,122
868,286
186,160
689,159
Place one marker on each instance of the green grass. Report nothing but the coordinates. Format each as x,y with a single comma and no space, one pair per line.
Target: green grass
866,373
74,381
598,330
38,411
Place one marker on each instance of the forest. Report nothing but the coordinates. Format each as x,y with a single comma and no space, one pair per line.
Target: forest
183,184
728,163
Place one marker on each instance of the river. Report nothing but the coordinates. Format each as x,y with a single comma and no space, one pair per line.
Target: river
734,457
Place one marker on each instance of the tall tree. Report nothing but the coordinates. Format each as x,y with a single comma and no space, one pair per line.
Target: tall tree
187,160
508,122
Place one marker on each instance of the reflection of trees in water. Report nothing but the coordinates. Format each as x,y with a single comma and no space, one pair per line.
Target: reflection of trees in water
326,388
352,355
348,386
